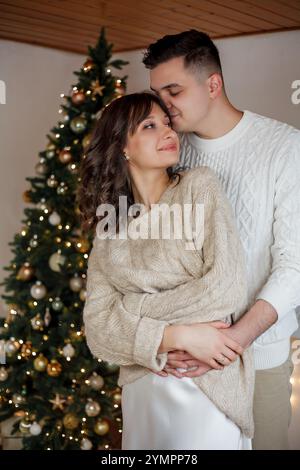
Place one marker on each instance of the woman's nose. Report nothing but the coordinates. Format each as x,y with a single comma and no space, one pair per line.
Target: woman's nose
169,133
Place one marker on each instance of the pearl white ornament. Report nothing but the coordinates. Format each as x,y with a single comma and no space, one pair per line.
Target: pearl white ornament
55,260
11,347
86,444
54,218
35,429
68,350
92,408
57,304
96,382
76,283
38,290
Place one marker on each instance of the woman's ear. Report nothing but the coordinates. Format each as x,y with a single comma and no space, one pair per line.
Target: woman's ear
126,156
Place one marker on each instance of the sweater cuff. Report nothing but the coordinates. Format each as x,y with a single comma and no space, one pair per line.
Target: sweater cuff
276,298
149,335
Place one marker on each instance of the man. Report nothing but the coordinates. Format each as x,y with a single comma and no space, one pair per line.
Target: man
257,160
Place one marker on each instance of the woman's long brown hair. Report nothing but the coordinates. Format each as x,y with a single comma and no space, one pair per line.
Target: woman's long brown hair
104,174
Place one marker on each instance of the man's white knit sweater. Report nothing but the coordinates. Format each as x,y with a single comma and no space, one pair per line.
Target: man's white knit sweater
258,165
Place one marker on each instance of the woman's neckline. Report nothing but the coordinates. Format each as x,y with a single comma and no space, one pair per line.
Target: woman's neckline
163,197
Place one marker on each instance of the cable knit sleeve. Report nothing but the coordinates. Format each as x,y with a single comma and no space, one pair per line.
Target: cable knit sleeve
221,291
114,330
282,289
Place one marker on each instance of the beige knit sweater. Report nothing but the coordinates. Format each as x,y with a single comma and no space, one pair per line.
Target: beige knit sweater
136,287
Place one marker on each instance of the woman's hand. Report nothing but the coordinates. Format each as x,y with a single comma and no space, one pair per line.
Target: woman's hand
205,342
202,348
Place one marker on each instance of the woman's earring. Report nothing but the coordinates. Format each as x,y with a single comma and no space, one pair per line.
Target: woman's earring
126,156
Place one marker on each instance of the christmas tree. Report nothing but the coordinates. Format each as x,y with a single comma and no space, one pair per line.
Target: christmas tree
62,396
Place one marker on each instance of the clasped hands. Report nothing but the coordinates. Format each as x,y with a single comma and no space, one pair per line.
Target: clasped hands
206,346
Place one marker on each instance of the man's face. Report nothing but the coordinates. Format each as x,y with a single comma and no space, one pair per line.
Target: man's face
184,93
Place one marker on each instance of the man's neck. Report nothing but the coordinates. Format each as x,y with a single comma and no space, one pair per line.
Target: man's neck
221,119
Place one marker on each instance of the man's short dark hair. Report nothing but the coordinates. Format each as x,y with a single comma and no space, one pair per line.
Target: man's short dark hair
197,49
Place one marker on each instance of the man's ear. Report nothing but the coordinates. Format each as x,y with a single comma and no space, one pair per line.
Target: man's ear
215,85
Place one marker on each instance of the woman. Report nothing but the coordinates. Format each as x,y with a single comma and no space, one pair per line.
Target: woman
148,295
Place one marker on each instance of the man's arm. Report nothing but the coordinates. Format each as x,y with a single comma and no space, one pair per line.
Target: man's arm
281,289
252,324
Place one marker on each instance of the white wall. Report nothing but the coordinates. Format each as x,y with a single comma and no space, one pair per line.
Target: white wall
34,78
258,70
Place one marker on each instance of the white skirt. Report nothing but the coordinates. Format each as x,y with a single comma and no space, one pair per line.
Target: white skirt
165,413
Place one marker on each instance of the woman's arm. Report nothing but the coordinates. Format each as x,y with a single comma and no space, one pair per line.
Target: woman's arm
114,330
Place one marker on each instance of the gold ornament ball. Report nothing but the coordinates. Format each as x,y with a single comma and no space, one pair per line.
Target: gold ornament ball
18,399
52,181
70,421
50,150
64,116
101,427
81,263
78,124
37,323
41,168
54,368
86,140
82,245
3,374
65,156
117,398
40,363
74,336
13,308
25,272
88,65
27,196
13,311
24,426
78,97
82,295
26,349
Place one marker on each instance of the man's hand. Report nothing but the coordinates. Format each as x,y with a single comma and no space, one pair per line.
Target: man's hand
183,360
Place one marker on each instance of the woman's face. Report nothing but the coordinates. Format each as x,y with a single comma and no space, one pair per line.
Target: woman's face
154,145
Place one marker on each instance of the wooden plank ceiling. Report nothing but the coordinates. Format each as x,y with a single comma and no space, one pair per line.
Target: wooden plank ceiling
72,25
